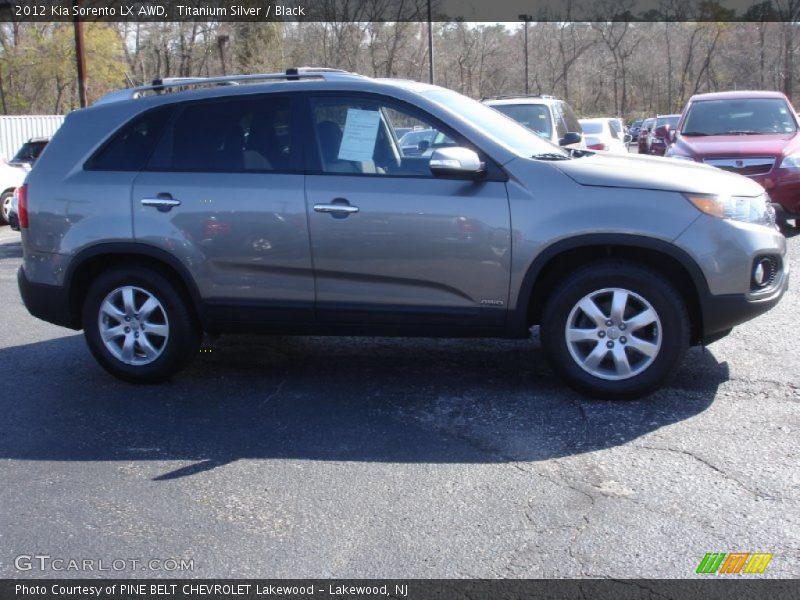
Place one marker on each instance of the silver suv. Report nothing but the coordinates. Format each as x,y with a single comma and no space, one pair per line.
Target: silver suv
547,116
288,206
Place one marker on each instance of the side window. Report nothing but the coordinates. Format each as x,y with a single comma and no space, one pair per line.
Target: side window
573,125
363,136
615,132
234,135
131,146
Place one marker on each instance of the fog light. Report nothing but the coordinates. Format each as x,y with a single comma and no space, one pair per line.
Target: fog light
764,272
759,274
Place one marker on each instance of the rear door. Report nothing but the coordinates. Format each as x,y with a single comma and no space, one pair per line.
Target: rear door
223,192
391,243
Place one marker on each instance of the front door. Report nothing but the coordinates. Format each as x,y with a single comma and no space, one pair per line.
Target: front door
391,243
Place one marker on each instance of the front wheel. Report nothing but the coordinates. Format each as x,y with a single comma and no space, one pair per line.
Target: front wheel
138,326
615,330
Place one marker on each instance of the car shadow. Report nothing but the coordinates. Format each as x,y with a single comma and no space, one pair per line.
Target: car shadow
11,250
328,399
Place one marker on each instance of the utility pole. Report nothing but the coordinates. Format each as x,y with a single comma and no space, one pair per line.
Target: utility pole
430,45
527,19
80,57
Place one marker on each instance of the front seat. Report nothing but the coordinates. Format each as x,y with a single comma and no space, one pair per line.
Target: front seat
329,135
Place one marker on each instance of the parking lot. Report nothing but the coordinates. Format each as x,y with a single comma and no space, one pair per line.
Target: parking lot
344,457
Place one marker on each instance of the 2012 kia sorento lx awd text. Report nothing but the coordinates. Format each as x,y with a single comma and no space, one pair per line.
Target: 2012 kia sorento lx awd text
287,206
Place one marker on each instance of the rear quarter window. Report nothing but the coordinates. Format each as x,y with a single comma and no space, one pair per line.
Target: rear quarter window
130,148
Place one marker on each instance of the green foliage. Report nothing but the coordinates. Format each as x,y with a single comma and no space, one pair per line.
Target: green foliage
39,66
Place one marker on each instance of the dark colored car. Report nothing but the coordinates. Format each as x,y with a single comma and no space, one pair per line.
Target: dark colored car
750,133
660,136
644,137
634,129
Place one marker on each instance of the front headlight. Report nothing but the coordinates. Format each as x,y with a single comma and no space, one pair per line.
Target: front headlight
791,162
755,209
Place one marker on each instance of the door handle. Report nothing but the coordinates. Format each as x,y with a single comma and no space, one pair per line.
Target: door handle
336,209
163,202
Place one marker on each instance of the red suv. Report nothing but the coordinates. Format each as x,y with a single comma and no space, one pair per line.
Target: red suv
751,133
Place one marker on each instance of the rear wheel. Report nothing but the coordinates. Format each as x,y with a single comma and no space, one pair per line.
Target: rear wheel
5,205
615,330
138,326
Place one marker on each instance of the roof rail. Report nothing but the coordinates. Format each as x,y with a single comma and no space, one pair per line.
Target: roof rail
512,96
159,86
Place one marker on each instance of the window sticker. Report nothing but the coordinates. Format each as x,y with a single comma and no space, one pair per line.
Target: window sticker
360,133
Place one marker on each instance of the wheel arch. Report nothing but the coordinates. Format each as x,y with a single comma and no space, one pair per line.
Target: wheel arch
553,263
90,262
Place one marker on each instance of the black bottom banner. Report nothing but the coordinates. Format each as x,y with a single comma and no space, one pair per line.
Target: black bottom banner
413,589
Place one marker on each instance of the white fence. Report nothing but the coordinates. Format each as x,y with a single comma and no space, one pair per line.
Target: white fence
16,130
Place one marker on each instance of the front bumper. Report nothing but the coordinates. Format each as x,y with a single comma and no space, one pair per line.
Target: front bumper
46,302
722,313
726,252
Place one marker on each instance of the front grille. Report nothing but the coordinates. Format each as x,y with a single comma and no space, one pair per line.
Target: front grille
760,165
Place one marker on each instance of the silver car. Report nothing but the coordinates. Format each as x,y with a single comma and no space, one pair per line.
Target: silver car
288,206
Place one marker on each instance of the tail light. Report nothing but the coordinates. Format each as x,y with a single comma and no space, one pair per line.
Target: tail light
22,205
600,146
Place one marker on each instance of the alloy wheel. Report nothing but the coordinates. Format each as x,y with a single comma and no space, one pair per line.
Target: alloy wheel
613,334
133,325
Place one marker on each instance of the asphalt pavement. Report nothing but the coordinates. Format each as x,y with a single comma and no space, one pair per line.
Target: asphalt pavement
349,458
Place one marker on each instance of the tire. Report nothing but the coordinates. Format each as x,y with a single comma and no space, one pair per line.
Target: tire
652,355
781,219
5,206
167,336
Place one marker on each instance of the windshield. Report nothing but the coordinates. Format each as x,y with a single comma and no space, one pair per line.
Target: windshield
535,117
495,124
748,115
29,152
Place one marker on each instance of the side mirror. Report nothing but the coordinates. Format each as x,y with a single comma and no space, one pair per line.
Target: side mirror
673,135
573,137
461,163
628,138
